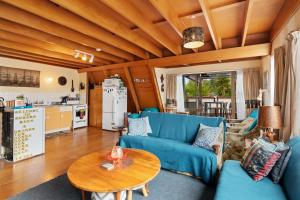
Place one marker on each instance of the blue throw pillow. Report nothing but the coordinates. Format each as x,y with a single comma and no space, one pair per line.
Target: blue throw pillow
139,126
207,136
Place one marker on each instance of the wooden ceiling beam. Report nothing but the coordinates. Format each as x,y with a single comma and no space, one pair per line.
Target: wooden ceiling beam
166,10
247,17
138,18
39,51
20,16
195,58
89,9
43,45
210,23
288,9
39,35
132,89
6,52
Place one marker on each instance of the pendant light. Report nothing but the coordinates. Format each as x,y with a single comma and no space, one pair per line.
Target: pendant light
193,37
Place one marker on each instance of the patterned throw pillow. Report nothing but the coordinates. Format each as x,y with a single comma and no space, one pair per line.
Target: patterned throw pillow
139,126
207,136
280,166
259,159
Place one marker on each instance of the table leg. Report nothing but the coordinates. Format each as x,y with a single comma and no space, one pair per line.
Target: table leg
118,195
145,193
129,195
82,195
147,187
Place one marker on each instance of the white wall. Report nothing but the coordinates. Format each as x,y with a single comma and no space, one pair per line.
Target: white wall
49,90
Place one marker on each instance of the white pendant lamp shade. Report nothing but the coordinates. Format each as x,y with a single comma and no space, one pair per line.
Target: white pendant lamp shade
193,37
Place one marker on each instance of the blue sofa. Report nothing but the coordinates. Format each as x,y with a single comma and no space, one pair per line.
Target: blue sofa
235,183
171,139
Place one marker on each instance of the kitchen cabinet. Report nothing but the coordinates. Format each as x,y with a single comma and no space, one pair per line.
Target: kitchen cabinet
58,118
95,107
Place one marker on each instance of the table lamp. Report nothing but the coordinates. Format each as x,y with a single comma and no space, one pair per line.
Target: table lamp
269,118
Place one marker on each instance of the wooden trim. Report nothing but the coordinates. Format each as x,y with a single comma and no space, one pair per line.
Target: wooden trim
17,15
89,9
248,11
195,58
137,17
132,89
210,23
105,73
156,88
288,9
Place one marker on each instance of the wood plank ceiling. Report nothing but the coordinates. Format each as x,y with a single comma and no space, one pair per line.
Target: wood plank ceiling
131,30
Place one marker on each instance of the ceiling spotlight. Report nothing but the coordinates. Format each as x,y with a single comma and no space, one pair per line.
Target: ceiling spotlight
77,54
91,59
98,49
84,57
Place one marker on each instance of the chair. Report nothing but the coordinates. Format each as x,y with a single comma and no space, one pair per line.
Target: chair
243,126
235,135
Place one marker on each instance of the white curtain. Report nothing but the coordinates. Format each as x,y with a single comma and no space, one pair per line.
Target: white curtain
240,100
291,92
171,88
180,94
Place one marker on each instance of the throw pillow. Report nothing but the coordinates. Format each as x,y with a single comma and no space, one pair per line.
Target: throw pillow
259,159
280,166
139,126
207,136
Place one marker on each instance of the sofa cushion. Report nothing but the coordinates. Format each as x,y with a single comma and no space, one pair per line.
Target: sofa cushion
176,156
182,128
207,136
234,183
291,177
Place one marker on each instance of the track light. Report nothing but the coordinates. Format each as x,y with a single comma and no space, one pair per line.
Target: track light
91,59
77,54
84,57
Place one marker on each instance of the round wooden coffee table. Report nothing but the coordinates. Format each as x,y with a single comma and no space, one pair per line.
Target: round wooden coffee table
87,174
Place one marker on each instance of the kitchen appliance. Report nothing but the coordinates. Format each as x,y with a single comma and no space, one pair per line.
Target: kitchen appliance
114,104
80,116
23,133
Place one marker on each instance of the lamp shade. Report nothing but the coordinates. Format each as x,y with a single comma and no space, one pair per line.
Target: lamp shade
193,37
269,117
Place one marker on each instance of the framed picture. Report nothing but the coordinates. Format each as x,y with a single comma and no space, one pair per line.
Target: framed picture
15,77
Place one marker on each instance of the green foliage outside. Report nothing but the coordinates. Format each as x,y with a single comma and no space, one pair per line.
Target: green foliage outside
218,86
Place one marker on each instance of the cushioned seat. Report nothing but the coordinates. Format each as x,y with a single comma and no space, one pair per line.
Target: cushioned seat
235,183
176,155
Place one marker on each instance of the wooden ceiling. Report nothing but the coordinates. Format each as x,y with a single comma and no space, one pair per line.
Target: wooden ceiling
131,30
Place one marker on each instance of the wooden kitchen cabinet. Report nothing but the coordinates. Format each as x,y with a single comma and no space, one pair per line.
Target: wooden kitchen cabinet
58,118
95,107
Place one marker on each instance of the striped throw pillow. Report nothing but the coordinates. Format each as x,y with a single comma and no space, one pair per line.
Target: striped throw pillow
259,159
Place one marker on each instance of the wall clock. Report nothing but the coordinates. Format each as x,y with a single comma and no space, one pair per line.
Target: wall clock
62,80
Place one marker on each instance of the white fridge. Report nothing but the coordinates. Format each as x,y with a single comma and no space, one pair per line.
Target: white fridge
114,107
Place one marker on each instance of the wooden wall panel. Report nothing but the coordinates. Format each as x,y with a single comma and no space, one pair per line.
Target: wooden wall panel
144,90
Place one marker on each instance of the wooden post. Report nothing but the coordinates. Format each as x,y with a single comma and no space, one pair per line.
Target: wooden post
132,89
156,88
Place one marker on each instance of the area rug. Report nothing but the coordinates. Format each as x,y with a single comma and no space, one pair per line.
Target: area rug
166,186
